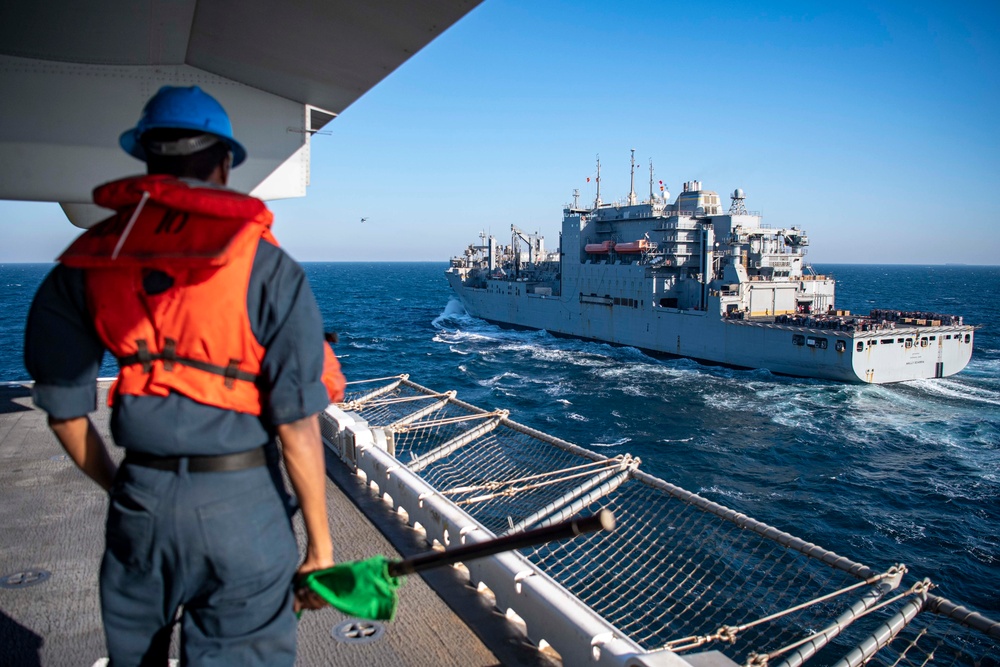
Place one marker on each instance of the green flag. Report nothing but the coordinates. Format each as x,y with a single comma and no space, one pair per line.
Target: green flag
361,588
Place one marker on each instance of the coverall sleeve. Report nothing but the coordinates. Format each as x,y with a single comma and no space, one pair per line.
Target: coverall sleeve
290,328
62,351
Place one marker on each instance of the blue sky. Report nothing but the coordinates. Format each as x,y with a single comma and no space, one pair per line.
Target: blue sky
875,128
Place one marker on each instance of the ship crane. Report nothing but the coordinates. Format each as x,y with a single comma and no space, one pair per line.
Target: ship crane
795,237
534,246
483,245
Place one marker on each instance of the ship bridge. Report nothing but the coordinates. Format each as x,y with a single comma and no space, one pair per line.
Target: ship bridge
699,202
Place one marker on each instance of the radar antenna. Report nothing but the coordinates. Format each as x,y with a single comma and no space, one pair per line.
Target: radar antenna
631,192
739,206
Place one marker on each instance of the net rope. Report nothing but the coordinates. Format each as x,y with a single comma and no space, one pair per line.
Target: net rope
679,571
517,485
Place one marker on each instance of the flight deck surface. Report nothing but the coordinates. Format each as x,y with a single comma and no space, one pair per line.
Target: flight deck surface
53,521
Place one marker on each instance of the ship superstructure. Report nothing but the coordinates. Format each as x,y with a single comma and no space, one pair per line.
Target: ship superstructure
691,279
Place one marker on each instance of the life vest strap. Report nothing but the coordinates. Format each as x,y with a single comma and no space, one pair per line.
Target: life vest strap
230,372
143,356
169,353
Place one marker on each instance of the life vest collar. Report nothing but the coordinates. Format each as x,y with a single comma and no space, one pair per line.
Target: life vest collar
181,195
166,223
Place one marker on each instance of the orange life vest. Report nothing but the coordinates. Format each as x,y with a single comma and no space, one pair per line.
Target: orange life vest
192,337
333,378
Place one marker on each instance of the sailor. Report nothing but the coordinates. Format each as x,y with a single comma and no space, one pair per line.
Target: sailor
220,347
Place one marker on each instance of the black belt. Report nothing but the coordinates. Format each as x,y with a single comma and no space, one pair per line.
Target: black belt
252,458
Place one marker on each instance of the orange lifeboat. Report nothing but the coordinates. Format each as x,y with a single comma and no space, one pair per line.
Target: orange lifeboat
599,248
632,248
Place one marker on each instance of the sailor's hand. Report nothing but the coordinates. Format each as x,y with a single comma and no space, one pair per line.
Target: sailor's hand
305,597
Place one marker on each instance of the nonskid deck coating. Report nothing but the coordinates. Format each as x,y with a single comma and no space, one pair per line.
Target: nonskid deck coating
52,518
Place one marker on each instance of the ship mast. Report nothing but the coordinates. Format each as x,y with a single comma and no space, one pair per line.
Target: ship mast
631,192
651,180
597,202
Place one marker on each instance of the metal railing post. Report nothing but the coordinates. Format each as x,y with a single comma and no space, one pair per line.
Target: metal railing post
882,636
422,412
455,443
607,481
823,637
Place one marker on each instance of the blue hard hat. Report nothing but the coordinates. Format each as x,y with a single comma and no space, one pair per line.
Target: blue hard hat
184,109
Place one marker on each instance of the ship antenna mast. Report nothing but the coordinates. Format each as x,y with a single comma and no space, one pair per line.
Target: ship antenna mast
597,202
650,180
631,192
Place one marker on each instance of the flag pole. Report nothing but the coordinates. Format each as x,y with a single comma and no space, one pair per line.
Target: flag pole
604,520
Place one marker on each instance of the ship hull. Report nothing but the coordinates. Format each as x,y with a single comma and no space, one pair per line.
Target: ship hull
905,353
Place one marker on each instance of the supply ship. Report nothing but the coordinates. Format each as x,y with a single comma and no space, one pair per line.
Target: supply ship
690,279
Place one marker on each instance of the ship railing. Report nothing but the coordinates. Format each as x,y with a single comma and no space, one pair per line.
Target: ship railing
680,575
804,277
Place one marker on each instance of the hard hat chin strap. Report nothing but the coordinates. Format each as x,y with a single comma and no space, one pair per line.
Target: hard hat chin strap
186,146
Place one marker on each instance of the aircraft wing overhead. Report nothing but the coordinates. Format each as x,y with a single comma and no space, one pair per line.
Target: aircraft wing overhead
74,76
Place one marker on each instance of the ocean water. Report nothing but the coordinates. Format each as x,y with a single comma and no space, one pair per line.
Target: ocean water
904,473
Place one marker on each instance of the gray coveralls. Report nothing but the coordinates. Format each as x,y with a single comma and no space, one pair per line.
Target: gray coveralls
218,544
